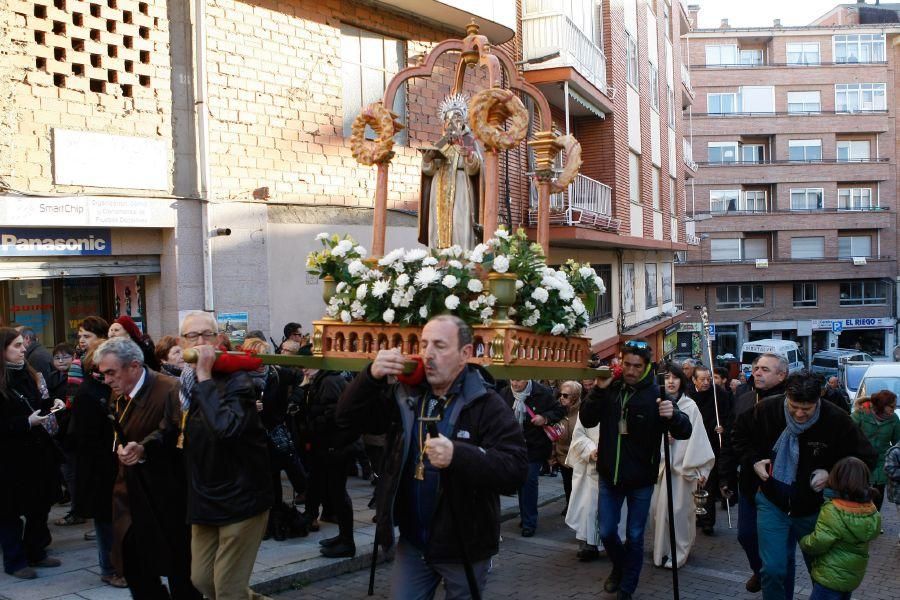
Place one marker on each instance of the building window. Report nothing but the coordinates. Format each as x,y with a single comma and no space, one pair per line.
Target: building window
679,297
753,153
805,295
807,199
863,293
673,210
757,99
737,249
859,48
804,102
855,199
806,53
721,104
751,57
855,97
755,201
721,201
850,246
654,86
634,178
722,152
369,62
667,20
672,108
631,58
651,294
725,54
739,296
603,309
656,192
806,248
853,151
805,150
666,276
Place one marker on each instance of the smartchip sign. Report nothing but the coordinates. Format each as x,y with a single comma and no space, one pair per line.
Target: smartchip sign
55,242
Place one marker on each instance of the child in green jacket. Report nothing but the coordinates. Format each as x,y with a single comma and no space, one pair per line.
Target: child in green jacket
847,523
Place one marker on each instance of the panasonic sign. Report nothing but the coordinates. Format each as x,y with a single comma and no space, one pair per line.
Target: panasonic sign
55,242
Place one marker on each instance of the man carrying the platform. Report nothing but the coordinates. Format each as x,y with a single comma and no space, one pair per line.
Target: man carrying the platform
452,448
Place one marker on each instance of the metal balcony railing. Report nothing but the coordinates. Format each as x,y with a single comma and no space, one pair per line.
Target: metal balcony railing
688,152
686,78
545,33
585,202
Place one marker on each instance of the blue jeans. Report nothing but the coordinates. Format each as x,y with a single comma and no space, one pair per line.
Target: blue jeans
413,578
104,532
820,592
747,535
778,535
628,557
528,497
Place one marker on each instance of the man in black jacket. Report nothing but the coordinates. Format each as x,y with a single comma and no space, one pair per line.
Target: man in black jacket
633,419
533,406
791,445
836,394
227,459
769,372
715,408
444,490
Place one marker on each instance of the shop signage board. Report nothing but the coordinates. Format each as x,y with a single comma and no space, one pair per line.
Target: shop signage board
89,211
838,325
17,241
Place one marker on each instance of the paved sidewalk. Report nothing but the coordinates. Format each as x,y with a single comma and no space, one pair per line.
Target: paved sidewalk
279,565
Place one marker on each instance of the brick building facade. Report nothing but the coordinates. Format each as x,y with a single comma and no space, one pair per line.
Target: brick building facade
796,192
159,124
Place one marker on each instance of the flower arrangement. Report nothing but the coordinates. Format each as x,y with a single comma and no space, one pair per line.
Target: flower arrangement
408,287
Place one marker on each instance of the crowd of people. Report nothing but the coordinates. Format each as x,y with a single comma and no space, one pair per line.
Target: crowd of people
180,466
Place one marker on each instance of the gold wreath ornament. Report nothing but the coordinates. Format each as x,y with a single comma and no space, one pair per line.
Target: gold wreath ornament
489,109
572,148
385,125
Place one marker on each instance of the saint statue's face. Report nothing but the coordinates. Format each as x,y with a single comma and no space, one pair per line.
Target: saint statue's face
455,123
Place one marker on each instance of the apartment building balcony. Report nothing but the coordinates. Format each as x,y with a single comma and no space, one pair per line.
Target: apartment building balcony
496,20
781,171
797,220
687,90
585,203
701,272
739,123
690,233
561,51
688,156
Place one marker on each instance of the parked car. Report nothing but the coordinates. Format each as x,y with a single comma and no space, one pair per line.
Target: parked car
786,348
880,376
828,362
851,375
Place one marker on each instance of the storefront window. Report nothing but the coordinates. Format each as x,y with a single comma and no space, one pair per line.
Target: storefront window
867,340
81,298
31,304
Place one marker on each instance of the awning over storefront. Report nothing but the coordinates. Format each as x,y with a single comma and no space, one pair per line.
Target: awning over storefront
80,266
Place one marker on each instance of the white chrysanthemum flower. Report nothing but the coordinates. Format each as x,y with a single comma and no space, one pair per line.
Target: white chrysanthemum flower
587,272
371,274
474,304
558,328
449,281
426,277
512,311
540,294
451,301
396,297
322,236
356,267
423,312
490,299
455,264
391,257
402,280
501,264
361,291
415,254
345,316
341,286
529,305
599,282
455,251
429,261
359,250
475,285
332,310
532,320
477,255
578,306
501,234
388,315
380,288
567,293
550,282
519,284
342,248
486,312
561,276
398,267
408,297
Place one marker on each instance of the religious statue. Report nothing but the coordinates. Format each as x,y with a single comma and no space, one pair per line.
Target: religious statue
451,183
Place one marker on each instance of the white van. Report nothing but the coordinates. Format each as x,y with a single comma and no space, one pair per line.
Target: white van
786,348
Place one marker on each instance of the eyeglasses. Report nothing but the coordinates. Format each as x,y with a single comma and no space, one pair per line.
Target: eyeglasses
564,395
193,335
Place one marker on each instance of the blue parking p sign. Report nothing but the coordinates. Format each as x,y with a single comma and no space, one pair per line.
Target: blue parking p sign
837,326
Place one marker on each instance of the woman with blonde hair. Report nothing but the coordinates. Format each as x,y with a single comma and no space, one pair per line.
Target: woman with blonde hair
570,398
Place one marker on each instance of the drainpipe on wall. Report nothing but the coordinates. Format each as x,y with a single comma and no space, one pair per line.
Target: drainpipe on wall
203,174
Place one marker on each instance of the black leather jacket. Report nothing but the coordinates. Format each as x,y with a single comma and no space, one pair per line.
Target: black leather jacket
226,453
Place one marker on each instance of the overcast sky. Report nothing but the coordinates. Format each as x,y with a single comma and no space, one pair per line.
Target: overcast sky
759,13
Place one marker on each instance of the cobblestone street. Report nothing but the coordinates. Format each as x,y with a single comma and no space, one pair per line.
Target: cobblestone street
545,568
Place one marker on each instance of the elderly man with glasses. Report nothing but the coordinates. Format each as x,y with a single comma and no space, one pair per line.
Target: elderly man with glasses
227,459
633,415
